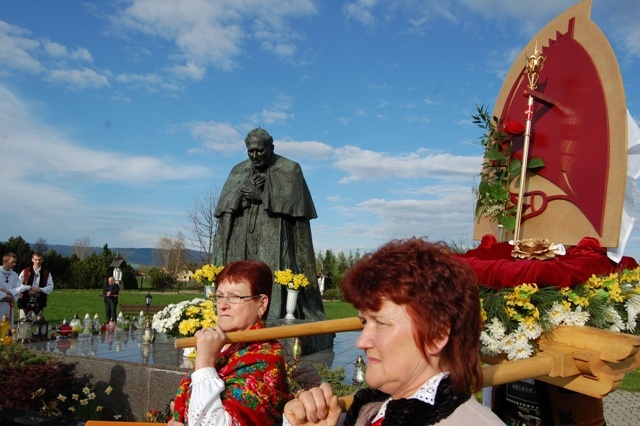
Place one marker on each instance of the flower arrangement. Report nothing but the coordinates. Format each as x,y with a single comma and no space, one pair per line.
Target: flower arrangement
516,317
291,280
185,318
499,168
207,274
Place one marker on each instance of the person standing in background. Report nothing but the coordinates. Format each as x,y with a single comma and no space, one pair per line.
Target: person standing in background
110,293
40,285
10,285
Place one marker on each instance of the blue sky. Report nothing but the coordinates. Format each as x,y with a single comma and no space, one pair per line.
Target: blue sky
115,116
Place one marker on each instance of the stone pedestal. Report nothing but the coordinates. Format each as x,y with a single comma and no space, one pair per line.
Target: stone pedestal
309,344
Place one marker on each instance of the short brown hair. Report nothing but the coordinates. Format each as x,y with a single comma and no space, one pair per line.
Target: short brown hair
440,294
9,255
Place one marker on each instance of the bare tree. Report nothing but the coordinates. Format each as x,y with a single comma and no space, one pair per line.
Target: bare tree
170,254
201,223
82,247
40,246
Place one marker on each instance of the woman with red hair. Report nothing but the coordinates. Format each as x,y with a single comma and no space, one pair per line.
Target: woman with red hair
235,384
421,314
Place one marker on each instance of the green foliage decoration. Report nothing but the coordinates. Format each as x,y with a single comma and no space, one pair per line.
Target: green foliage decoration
499,168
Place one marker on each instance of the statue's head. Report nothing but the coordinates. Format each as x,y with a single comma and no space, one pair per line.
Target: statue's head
259,148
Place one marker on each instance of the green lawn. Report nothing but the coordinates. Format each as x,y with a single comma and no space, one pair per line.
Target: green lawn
64,303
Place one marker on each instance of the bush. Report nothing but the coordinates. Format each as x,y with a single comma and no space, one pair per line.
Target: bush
23,372
332,294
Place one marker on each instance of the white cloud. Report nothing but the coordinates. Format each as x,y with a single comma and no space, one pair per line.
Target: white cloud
303,149
217,137
214,33
361,11
16,49
51,169
361,164
44,154
57,50
84,78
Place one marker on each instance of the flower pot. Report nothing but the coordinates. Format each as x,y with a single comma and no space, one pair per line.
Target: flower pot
292,302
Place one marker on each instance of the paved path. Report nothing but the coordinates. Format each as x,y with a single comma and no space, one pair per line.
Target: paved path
622,408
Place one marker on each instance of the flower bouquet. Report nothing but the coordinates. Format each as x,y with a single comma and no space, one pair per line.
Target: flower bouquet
290,280
185,318
207,275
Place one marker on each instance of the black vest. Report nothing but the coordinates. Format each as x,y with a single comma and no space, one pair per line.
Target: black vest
27,302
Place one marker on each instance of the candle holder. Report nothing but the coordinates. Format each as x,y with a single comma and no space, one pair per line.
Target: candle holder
358,374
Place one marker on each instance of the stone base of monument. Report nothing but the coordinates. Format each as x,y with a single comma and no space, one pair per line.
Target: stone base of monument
309,344
12,416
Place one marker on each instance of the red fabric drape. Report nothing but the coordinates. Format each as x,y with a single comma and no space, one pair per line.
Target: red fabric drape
496,269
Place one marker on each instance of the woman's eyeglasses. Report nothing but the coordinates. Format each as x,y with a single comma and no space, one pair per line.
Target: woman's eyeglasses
236,300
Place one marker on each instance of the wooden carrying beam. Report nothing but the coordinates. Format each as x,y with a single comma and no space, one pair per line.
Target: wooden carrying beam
284,332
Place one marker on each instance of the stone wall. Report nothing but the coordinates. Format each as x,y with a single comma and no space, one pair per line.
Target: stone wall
137,388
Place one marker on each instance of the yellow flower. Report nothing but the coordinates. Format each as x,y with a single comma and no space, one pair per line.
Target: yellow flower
86,390
74,396
192,311
291,280
72,409
188,326
207,274
91,395
84,402
108,390
61,398
99,408
283,277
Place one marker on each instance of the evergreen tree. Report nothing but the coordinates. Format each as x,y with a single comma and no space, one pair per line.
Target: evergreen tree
21,248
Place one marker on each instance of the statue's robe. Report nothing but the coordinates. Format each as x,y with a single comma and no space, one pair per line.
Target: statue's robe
274,229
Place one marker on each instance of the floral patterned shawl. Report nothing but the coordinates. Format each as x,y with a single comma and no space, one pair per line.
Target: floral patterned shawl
256,387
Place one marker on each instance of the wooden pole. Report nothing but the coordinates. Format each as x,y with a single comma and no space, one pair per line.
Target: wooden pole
273,333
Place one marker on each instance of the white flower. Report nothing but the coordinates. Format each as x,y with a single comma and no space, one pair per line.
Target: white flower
496,328
521,350
167,320
489,345
509,343
531,332
576,317
615,319
632,305
557,313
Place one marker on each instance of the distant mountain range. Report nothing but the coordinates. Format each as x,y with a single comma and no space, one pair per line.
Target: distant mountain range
133,256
